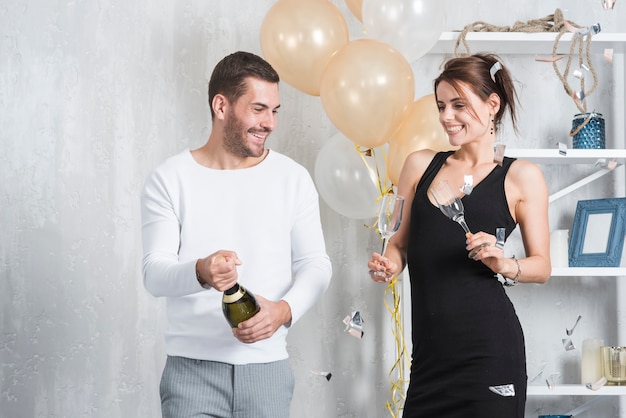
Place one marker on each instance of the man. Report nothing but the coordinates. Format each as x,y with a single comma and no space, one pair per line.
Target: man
232,211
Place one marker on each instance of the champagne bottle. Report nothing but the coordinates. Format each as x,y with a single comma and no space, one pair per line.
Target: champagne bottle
238,305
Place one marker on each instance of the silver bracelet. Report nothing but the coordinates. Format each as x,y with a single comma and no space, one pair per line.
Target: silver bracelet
514,280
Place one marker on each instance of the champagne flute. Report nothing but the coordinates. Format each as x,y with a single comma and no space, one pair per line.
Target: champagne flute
389,217
451,205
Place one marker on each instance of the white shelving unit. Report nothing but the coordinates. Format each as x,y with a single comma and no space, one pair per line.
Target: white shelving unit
605,161
581,390
572,156
602,159
526,43
575,390
588,271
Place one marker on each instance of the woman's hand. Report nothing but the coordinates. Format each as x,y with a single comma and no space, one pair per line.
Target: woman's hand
381,269
491,255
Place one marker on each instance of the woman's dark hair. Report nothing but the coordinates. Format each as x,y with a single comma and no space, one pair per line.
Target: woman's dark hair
230,74
475,73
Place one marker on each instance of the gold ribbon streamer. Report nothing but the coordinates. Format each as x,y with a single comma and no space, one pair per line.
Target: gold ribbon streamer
382,182
397,378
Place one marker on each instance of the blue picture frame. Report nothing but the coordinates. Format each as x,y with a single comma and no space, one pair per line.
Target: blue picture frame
598,232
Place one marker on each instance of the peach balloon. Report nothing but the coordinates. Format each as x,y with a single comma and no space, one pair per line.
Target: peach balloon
356,7
298,39
420,129
366,90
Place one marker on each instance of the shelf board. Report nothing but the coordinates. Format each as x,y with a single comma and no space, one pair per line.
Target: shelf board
588,271
573,156
600,158
525,43
574,390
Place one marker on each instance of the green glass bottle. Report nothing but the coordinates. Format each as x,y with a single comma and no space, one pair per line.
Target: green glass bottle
238,305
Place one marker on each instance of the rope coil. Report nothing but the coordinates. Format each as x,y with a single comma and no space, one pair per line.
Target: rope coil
551,23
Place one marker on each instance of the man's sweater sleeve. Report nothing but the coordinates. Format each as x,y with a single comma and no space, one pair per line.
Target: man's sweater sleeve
312,269
163,273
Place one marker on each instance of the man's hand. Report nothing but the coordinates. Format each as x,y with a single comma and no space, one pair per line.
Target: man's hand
219,270
264,324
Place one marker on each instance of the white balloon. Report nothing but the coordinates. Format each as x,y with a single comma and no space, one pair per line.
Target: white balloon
410,26
345,182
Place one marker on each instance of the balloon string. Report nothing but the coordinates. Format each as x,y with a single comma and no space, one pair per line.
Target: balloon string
395,403
382,182
397,372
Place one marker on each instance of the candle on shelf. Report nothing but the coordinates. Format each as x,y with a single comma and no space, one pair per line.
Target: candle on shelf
591,361
559,246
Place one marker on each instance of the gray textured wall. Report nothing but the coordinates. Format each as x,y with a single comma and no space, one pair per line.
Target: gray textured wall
94,94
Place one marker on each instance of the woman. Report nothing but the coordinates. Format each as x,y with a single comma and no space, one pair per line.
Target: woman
468,345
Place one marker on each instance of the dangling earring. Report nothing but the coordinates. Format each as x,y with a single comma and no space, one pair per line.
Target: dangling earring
498,149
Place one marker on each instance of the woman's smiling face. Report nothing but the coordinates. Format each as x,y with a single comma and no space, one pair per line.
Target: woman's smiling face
463,115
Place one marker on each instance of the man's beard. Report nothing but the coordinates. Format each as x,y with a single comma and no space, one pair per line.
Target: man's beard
235,138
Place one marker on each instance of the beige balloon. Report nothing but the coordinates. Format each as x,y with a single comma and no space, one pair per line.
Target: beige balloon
366,90
420,129
299,37
356,7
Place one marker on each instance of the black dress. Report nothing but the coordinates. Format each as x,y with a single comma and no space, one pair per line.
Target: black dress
467,339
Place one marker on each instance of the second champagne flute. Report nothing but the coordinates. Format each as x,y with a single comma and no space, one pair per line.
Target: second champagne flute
451,205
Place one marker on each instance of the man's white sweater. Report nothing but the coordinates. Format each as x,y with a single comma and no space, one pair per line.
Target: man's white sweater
268,214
